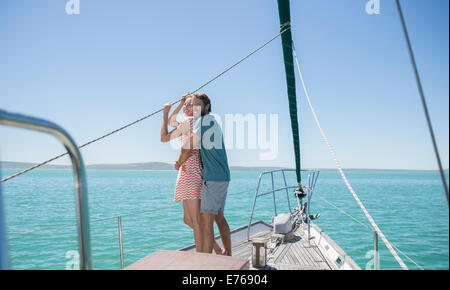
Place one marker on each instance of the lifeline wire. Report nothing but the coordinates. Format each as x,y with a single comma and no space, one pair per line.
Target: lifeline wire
283,28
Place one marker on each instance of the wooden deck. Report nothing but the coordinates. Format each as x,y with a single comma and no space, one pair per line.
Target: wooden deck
185,260
296,254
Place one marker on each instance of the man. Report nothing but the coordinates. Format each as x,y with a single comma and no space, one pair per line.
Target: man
208,136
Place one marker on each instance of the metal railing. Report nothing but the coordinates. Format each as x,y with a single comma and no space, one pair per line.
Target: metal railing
305,209
92,221
3,241
312,179
375,236
36,124
119,218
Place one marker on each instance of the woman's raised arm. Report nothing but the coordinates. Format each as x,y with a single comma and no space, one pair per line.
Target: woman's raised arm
166,136
173,117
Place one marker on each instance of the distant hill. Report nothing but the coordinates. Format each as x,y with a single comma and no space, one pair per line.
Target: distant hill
133,166
24,165
166,166
127,166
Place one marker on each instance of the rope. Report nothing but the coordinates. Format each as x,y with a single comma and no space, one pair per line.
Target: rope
12,235
146,248
345,213
93,221
283,28
366,226
339,167
177,205
422,97
408,258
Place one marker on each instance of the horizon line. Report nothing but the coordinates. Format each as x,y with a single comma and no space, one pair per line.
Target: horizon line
244,166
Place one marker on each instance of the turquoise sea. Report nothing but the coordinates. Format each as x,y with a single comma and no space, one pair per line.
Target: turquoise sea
408,206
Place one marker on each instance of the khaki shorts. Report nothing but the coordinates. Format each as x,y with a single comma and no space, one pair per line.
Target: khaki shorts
214,194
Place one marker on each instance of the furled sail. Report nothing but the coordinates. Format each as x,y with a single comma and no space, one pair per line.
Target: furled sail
286,38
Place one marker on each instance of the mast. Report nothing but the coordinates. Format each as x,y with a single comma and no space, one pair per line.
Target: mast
286,39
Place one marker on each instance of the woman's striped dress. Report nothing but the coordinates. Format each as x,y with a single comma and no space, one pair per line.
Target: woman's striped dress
189,180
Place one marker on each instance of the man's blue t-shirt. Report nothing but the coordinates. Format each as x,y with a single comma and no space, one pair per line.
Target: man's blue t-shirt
212,149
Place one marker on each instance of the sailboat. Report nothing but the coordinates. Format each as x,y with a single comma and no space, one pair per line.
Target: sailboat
292,241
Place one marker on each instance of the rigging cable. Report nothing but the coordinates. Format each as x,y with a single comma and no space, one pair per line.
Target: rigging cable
283,28
422,97
366,226
339,167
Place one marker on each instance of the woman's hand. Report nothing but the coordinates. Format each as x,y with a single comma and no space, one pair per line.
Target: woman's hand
184,97
177,165
167,108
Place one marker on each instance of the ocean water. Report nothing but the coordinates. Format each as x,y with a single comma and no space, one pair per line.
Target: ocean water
409,207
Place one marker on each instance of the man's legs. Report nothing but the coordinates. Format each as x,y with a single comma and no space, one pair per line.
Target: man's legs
207,220
212,205
224,230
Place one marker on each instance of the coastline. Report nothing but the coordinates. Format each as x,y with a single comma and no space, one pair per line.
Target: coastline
161,166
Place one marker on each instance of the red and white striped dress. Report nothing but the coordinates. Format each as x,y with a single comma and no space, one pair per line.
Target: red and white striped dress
189,180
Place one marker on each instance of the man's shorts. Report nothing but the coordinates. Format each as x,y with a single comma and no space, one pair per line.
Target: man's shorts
214,194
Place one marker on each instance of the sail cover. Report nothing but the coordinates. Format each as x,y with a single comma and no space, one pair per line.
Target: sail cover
286,38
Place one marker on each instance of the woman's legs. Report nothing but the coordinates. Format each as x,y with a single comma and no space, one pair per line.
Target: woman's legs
191,217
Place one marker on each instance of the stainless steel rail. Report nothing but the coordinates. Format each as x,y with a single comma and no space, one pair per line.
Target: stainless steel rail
120,229
376,265
3,242
36,124
312,178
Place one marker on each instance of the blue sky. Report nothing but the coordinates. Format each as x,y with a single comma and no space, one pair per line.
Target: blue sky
119,60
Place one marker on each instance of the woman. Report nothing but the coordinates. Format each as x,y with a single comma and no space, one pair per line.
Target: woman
188,188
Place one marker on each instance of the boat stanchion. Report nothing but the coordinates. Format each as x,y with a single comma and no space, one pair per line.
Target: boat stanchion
308,198
4,263
119,224
376,265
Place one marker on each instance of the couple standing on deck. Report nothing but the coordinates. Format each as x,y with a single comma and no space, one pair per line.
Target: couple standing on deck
203,173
